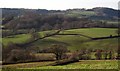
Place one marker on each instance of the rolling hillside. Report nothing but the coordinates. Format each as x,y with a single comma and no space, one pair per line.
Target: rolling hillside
73,42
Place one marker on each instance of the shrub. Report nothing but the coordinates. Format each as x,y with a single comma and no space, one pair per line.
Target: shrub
45,57
19,55
7,49
105,55
110,55
58,50
98,55
85,54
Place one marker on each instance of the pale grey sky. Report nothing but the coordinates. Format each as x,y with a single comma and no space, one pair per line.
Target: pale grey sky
58,4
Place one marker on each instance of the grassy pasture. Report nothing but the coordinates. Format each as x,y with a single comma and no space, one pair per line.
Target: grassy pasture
94,32
81,13
82,64
16,39
88,64
28,65
73,42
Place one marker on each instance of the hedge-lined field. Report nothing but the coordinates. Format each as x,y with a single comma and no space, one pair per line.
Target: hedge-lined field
76,42
73,42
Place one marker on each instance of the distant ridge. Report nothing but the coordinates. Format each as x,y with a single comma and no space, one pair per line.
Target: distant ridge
101,12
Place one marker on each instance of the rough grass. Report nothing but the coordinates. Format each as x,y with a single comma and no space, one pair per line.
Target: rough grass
28,65
82,64
86,64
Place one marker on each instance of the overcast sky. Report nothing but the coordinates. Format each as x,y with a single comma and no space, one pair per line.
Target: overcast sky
58,4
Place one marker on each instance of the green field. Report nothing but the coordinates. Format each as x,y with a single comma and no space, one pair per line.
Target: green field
89,64
81,13
28,65
73,42
16,39
82,64
94,32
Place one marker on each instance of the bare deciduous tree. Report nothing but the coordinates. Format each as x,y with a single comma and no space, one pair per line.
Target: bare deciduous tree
58,50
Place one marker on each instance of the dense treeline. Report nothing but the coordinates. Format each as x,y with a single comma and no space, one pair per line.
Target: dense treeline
22,24
43,19
15,54
101,13
15,20
48,22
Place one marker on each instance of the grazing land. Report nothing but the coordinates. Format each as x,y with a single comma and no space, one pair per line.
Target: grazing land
82,64
80,14
43,40
97,64
74,42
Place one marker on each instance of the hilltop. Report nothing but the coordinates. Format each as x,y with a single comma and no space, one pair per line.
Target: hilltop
99,13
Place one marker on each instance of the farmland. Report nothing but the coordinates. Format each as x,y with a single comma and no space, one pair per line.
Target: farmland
98,64
82,64
74,42
28,65
81,13
77,39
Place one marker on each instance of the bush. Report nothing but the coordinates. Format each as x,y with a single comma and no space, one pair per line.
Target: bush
19,55
74,56
64,62
45,57
98,55
7,49
85,57
84,54
58,50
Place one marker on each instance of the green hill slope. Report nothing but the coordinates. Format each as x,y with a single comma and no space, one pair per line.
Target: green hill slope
73,42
